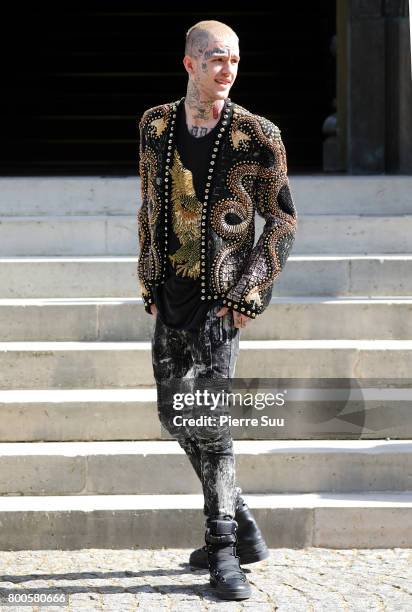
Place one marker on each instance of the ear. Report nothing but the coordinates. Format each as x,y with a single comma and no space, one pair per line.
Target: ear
188,63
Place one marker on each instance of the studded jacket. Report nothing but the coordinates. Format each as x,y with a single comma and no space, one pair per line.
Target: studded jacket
247,173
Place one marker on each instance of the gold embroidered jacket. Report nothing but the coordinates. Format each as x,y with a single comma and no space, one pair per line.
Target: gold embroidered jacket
247,173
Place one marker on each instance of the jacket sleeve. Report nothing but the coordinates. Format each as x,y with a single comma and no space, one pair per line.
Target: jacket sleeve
253,291
144,236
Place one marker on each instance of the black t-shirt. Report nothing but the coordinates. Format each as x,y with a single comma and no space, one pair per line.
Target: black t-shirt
178,298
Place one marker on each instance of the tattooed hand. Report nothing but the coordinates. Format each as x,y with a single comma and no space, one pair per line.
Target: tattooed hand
239,320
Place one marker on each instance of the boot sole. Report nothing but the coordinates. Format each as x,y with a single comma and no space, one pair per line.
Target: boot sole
232,595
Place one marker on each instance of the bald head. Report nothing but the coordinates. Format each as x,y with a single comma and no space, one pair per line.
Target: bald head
202,33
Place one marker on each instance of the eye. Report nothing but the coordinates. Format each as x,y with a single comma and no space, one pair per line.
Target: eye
220,59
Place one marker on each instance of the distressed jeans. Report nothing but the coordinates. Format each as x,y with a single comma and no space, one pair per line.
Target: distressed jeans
186,356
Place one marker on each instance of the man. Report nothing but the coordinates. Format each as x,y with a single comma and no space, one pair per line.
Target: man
206,166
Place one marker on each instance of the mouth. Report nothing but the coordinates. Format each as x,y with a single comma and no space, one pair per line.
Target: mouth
223,82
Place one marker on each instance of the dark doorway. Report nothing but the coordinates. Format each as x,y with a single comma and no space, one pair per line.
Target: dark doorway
78,77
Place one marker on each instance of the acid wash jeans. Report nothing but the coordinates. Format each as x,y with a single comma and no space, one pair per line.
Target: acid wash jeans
186,356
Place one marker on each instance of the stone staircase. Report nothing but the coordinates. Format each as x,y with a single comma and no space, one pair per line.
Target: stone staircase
83,462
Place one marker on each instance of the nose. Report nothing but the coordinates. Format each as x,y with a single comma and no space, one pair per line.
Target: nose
228,69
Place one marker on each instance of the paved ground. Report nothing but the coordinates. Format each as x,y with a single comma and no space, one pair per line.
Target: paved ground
311,579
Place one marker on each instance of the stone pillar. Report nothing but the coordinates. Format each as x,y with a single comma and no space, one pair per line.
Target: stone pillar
399,91
374,99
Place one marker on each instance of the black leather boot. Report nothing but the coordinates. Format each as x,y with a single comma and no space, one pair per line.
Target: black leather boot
251,546
226,575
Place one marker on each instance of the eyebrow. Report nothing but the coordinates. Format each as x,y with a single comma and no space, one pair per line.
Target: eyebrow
223,55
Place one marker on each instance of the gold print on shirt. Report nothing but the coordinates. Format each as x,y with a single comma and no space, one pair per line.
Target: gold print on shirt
186,215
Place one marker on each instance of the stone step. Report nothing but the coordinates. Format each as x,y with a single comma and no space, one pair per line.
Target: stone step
62,415
45,365
124,319
378,519
88,195
117,235
305,275
154,468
